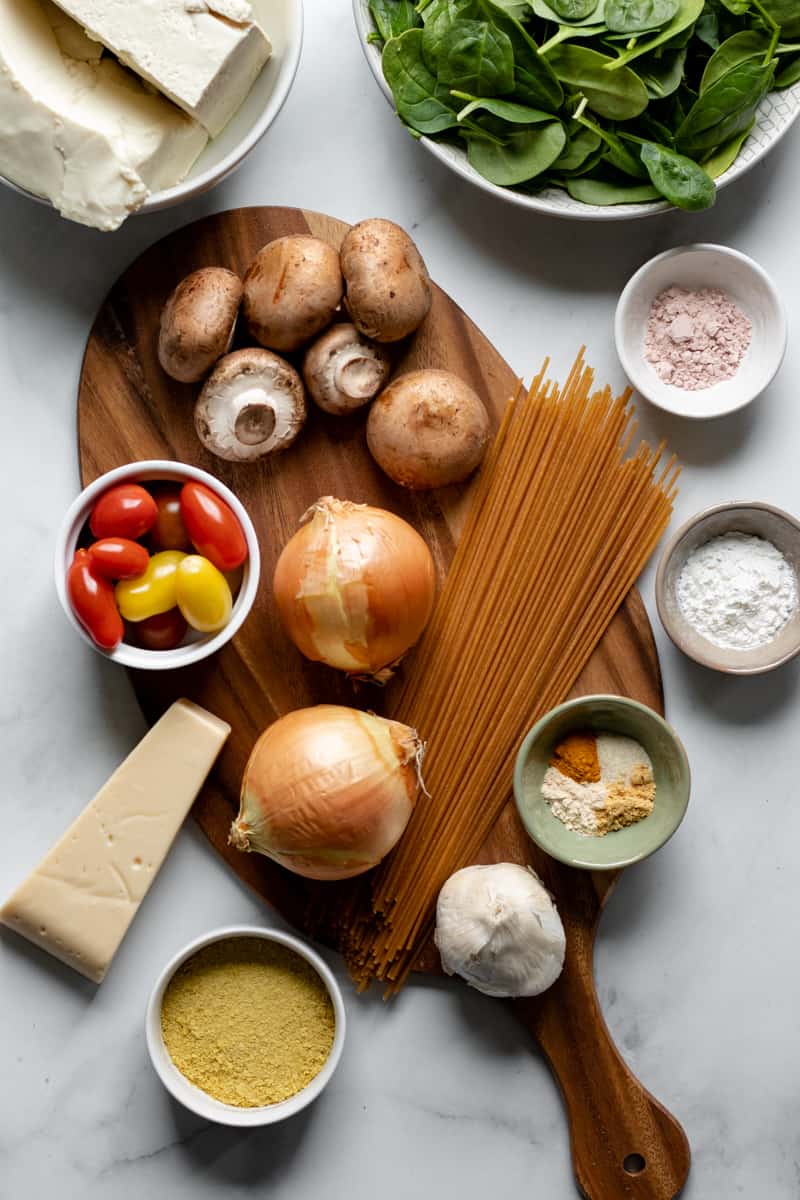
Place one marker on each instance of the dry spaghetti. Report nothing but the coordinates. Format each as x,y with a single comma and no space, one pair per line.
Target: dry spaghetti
561,524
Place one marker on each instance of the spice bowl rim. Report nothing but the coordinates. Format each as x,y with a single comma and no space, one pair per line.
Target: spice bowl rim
758,661
154,470
193,1097
580,856
730,395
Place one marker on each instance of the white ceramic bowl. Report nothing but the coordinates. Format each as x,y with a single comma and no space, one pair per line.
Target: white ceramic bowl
201,645
283,21
755,519
693,267
200,1102
776,114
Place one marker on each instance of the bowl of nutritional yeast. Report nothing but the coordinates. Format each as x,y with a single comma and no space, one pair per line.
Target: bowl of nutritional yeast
727,588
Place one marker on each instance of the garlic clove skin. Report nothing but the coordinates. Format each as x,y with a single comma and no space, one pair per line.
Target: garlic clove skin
498,928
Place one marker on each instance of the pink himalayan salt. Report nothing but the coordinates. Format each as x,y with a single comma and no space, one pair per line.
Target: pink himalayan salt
696,339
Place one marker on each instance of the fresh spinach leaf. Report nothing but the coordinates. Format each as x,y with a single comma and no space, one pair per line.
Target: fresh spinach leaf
679,179
685,17
393,17
617,95
662,74
547,12
741,47
639,16
505,110
476,57
737,7
785,13
707,28
520,10
524,156
582,144
725,108
573,10
603,192
788,73
534,80
421,102
725,156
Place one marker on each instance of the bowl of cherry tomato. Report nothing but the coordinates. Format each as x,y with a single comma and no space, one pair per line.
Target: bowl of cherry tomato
157,564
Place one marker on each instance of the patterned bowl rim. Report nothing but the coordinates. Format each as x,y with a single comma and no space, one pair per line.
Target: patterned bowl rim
555,202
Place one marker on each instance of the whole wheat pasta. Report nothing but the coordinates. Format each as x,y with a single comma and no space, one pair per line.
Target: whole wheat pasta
561,524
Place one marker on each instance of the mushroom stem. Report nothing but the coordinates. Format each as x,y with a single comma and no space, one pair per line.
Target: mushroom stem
255,422
359,376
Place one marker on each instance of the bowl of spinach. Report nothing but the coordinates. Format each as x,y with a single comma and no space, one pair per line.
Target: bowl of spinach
590,108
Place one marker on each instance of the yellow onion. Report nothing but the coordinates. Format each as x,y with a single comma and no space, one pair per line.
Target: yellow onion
328,791
354,586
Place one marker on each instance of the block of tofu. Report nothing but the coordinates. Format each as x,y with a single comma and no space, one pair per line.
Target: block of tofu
80,131
204,54
81,899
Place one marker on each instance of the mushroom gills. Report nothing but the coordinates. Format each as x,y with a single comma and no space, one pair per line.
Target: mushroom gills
252,405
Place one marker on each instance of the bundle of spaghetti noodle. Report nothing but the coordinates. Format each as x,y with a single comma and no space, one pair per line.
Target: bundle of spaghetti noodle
563,519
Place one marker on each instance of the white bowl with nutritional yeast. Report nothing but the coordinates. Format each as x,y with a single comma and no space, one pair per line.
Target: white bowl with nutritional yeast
200,1102
694,267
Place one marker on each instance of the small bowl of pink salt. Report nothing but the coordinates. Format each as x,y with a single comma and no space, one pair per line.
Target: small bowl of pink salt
700,330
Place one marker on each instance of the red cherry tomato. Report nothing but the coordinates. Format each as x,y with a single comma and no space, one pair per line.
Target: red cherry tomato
164,631
93,602
169,531
213,527
118,558
126,510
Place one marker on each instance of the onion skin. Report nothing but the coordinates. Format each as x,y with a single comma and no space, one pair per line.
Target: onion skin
328,791
354,587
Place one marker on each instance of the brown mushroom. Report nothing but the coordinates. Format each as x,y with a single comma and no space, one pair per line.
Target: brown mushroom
342,370
197,323
388,288
291,291
428,429
252,404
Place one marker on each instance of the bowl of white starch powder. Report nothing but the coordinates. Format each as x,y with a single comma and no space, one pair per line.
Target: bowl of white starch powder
727,588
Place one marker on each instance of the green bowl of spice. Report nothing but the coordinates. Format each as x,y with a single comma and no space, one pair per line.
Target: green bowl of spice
601,782
245,1026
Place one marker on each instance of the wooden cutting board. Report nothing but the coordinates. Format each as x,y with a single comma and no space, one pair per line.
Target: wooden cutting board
624,1143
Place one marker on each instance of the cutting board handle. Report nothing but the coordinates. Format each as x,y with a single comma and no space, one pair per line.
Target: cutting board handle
624,1143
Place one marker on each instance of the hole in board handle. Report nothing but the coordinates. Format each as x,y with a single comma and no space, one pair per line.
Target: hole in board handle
634,1164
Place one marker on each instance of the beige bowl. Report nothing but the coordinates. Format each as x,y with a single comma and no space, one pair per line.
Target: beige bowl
759,520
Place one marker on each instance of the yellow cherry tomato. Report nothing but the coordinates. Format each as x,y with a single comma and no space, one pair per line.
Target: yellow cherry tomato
203,594
153,591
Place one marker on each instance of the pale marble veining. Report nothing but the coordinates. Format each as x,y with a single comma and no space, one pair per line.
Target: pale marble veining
440,1094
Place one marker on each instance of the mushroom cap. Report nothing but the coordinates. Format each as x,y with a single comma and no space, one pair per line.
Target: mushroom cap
388,287
428,429
252,404
291,291
197,323
342,370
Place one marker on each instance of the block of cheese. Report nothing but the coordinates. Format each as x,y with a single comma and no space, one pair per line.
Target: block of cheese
83,133
204,54
81,899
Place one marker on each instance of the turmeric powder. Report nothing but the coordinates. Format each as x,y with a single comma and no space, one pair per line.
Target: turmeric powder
576,756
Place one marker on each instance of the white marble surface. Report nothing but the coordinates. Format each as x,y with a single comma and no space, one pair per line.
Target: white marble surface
440,1094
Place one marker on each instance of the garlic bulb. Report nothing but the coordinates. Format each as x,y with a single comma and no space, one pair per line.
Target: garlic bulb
498,928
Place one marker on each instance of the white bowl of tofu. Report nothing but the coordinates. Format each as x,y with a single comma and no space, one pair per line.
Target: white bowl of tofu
109,107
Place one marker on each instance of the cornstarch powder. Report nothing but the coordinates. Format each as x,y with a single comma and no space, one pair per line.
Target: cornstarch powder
696,339
737,590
